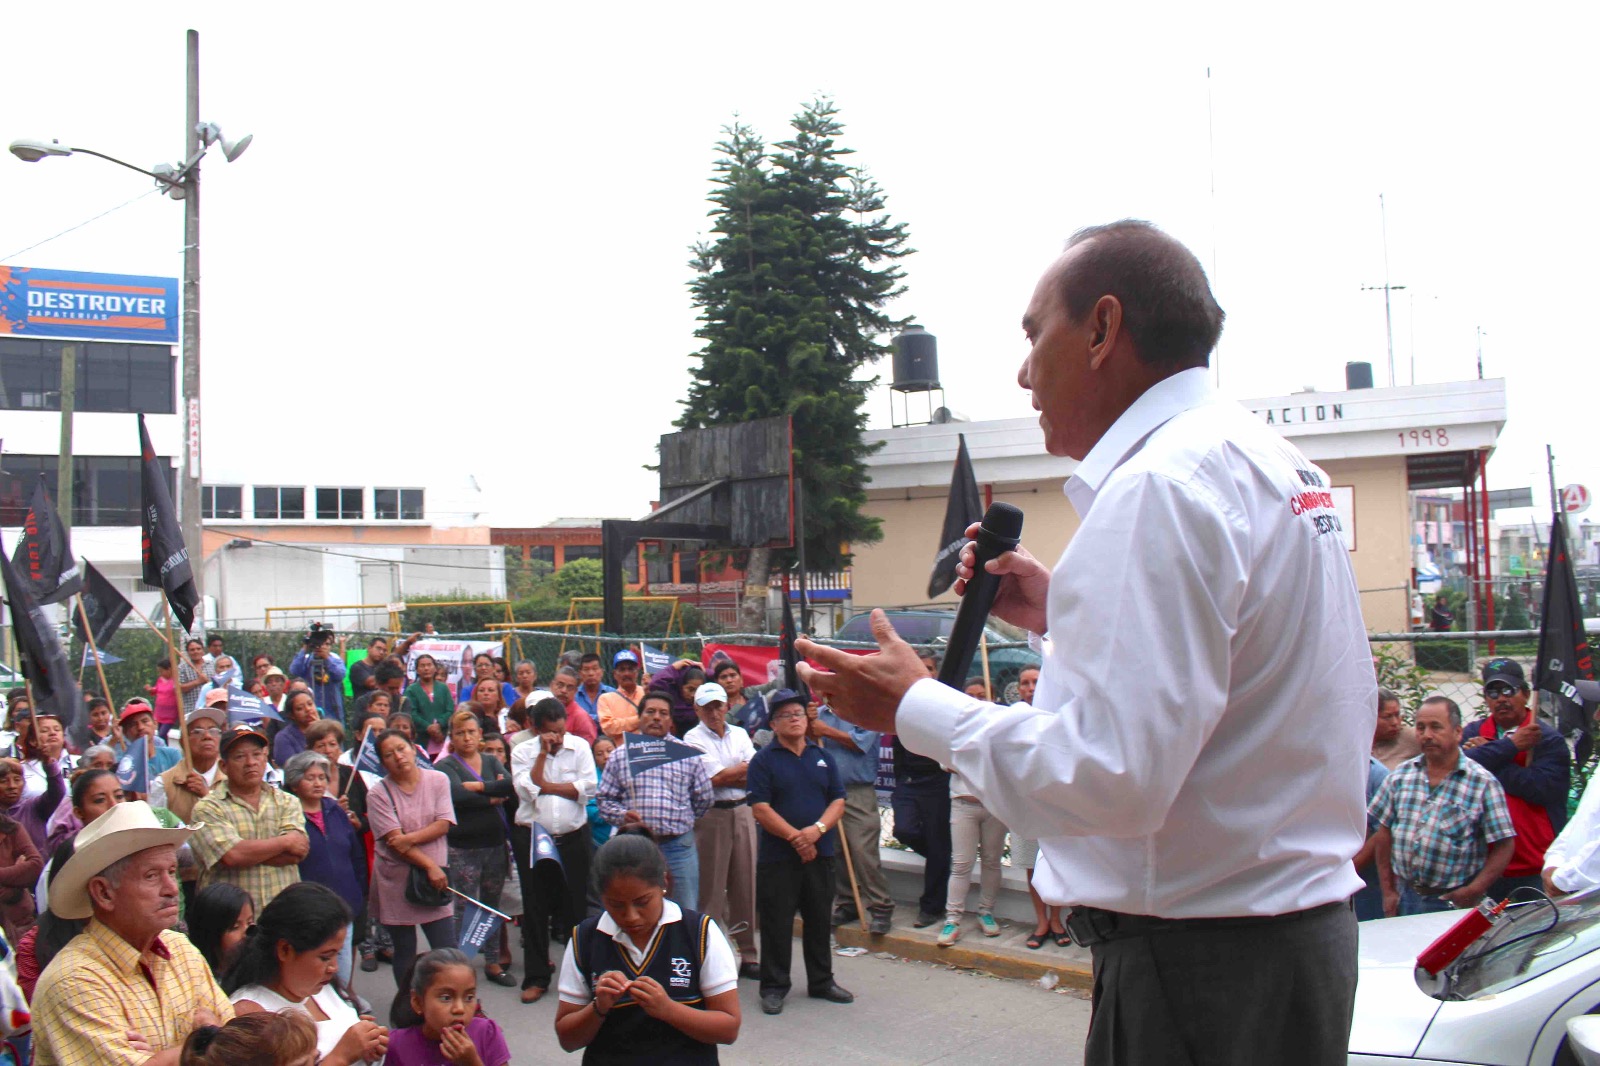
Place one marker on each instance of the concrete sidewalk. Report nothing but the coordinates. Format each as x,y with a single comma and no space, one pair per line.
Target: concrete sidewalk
1006,955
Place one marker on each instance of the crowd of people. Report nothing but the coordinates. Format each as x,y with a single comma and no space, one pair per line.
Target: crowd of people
1460,811
293,850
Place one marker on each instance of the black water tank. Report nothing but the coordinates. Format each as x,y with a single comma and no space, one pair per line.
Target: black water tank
916,361
1358,375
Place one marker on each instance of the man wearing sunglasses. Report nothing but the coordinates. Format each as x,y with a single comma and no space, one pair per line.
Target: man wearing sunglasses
1532,763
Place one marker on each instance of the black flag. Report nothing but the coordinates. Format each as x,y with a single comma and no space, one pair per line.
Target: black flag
166,560
105,606
787,652
44,662
963,509
1564,647
43,557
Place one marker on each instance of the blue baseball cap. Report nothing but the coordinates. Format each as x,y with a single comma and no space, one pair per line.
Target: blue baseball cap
626,655
783,696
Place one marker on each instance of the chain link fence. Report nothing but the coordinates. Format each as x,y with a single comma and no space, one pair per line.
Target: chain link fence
1415,666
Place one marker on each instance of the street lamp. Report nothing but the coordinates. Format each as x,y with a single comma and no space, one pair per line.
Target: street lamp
180,182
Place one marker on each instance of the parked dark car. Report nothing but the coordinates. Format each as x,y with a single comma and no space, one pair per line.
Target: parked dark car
931,630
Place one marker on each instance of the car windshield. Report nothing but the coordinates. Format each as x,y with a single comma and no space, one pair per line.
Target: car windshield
913,628
1530,940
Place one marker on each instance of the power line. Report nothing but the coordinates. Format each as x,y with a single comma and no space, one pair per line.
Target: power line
82,224
378,558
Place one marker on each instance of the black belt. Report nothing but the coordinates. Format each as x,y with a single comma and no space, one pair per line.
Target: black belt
727,805
1089,926
1423,890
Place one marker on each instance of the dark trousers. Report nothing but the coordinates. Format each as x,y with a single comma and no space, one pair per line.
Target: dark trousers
922,823
1224,992
550,895
1507,885
784,889
441,933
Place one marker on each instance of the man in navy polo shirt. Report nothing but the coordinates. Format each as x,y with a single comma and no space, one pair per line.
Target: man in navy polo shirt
797,797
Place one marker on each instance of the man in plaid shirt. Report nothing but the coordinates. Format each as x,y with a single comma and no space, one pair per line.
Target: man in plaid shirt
1444,833
668,799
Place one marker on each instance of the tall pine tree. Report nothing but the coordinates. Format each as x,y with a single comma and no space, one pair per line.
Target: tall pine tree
791,294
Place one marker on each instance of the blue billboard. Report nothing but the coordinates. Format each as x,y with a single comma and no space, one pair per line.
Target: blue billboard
75,305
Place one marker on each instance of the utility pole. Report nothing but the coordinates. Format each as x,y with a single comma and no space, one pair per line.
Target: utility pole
69,396
189,478
1556,509
1388,316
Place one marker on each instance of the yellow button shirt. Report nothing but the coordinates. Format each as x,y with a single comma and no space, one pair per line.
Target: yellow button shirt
98,987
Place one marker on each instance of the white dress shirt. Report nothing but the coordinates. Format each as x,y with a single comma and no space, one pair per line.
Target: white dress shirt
730,749
1198,743
1573,858
572,765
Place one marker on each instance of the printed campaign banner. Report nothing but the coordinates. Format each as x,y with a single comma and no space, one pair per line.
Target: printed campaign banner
479,925
245,709
133,769
77,305
647,753
454,658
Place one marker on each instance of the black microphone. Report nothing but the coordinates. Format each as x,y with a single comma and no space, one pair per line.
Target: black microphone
1000,532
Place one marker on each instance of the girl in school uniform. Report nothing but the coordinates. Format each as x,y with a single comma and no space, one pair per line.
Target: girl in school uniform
646,981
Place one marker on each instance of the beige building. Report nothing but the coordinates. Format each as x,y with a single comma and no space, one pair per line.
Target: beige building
1376,446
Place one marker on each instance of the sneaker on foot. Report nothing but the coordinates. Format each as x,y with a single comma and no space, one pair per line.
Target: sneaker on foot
989,926
950,934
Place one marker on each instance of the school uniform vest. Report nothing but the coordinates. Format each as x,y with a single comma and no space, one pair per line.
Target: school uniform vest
674,959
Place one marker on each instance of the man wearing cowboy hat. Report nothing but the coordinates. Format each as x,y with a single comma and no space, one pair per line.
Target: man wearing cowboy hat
126,990
254,835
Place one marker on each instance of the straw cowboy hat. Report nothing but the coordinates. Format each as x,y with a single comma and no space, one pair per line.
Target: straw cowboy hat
126,829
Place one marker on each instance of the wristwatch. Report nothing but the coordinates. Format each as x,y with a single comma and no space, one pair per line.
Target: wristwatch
821,828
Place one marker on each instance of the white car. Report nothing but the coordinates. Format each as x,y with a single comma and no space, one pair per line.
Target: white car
1507,1000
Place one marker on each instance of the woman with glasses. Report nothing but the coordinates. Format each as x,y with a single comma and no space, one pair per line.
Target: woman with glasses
337,857
480,787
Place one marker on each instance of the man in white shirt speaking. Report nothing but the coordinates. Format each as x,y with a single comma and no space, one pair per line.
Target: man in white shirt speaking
1194,759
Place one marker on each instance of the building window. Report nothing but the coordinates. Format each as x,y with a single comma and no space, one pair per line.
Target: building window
340,505
388,504
110,377
221,501
658,565
105,488
542,553
574,552
274,501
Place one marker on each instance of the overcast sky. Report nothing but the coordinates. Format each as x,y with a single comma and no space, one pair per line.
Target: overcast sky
459,240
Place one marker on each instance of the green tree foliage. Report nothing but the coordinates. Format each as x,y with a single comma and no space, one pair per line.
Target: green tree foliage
791,294
581,577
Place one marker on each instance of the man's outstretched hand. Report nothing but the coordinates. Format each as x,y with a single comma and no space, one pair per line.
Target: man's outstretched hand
864,689
1024,593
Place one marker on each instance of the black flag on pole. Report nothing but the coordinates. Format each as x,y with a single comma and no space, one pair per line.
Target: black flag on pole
44,557
964,508
105,606
1564,656
44,661
166,560
787,651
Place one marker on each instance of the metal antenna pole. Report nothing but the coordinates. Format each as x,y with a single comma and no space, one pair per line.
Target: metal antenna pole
1388,318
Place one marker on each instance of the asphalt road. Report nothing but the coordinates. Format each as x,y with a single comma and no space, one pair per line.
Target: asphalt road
905,1014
